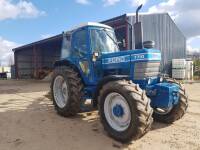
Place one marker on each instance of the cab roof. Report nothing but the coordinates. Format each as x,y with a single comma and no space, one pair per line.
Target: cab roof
95,24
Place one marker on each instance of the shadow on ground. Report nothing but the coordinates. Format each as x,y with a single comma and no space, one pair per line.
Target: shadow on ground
23,86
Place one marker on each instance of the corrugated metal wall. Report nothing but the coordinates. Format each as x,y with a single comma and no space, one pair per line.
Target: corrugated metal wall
161,29
167,36
24,63
36,60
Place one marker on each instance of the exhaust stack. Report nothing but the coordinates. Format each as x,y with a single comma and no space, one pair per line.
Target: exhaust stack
138,32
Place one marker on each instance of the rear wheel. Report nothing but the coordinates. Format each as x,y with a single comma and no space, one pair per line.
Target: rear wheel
66,89
176,112
125,110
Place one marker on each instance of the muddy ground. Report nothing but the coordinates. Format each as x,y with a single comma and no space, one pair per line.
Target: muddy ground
28,122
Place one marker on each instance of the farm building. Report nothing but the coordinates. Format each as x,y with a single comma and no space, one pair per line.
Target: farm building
158,27
35,60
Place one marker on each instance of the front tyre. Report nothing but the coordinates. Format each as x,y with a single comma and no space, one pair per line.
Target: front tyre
125,110
66,89
176,112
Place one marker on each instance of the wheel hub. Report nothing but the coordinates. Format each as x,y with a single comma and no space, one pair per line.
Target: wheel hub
118,110
64,88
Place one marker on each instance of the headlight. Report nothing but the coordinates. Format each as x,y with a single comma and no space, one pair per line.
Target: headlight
161,79
149,81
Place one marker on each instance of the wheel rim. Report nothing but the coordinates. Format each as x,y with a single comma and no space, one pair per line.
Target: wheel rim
60,91
162,111
117,111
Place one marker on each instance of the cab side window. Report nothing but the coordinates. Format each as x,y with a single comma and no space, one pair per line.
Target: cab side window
66,45
80,42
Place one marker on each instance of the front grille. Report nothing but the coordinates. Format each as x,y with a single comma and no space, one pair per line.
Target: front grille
146,69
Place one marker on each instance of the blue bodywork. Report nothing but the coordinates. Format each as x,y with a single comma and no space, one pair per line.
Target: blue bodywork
120,64
163,95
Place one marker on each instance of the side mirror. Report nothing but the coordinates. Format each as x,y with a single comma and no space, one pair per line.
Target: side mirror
122,43
119,42
95,55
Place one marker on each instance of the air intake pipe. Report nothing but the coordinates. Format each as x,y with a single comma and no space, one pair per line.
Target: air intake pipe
138,32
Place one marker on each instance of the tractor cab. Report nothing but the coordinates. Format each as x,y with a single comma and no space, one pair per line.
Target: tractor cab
85,45
89,38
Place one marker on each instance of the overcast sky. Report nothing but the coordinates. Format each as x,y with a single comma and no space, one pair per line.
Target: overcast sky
25,21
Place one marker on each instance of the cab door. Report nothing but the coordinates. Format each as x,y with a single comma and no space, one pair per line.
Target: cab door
81,51
95,47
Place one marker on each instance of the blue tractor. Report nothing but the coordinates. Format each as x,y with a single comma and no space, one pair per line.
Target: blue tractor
126,86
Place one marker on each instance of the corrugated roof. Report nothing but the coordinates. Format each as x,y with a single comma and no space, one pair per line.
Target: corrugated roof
38,42
128,15
146,13
115,18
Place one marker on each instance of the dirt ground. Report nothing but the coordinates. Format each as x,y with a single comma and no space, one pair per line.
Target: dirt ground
28,122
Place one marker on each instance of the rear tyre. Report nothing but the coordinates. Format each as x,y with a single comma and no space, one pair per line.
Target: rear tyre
125,110
66,90
177,111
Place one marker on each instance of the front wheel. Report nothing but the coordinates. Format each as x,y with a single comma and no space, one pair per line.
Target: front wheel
125,110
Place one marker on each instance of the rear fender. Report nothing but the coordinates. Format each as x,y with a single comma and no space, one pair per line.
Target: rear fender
63,63
66,62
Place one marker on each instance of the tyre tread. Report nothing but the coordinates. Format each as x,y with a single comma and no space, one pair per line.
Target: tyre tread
75,93
144,111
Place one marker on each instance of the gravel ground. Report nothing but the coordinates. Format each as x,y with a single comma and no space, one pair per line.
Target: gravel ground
28,122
